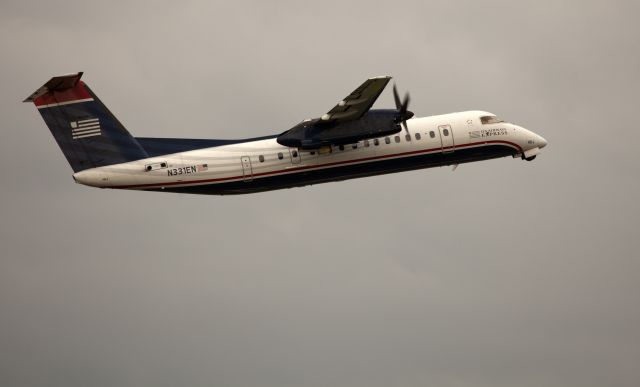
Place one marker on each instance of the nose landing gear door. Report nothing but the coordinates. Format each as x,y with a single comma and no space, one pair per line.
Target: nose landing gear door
446,138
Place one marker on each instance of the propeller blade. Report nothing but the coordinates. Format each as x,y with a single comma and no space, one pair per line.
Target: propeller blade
396,97
405,103
402,107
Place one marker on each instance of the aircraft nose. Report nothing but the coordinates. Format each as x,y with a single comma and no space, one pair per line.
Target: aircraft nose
542,142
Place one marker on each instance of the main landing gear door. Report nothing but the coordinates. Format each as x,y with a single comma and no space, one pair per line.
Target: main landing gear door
247,171
446,138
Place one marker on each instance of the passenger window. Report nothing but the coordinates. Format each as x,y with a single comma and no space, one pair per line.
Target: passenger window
280,156
418,136
354,146
387,140
397,138
312,153
445,132
432,134
366,143
341,147
261,158
407,137
376,142
294,153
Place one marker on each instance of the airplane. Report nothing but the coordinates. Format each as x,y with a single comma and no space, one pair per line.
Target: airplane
349,141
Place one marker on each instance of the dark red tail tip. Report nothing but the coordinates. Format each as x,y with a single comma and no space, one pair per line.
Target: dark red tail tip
59,83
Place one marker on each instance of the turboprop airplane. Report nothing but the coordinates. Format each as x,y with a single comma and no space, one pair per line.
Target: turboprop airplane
349,141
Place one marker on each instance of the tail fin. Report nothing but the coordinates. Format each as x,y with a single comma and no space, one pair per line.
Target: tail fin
86,131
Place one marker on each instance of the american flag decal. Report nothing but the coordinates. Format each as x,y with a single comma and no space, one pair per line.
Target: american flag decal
85,128
202,167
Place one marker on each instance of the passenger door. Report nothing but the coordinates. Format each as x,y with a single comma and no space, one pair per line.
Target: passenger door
446,138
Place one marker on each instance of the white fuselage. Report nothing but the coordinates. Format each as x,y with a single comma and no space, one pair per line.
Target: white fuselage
445,139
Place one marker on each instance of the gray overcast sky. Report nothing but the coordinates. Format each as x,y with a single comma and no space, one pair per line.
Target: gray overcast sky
502,273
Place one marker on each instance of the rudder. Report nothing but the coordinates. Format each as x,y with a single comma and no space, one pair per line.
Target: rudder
88,134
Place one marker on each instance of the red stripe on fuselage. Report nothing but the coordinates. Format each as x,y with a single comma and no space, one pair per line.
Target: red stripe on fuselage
318,166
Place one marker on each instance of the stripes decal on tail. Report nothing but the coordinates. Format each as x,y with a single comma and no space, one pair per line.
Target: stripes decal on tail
85,128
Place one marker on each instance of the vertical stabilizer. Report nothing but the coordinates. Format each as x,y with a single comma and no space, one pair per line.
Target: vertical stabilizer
88,133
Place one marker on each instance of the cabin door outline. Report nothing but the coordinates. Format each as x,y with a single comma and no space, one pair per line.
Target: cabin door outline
446,138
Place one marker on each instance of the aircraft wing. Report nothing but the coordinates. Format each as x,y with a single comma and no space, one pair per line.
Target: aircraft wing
356,104
348,122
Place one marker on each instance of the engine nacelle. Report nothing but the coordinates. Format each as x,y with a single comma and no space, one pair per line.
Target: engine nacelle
316,133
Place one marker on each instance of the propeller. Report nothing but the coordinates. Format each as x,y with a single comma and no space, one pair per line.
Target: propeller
403,113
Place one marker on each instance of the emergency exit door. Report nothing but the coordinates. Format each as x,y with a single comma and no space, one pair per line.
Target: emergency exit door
295,156
247,171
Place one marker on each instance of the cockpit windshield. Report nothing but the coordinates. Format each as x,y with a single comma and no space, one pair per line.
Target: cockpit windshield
490,120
